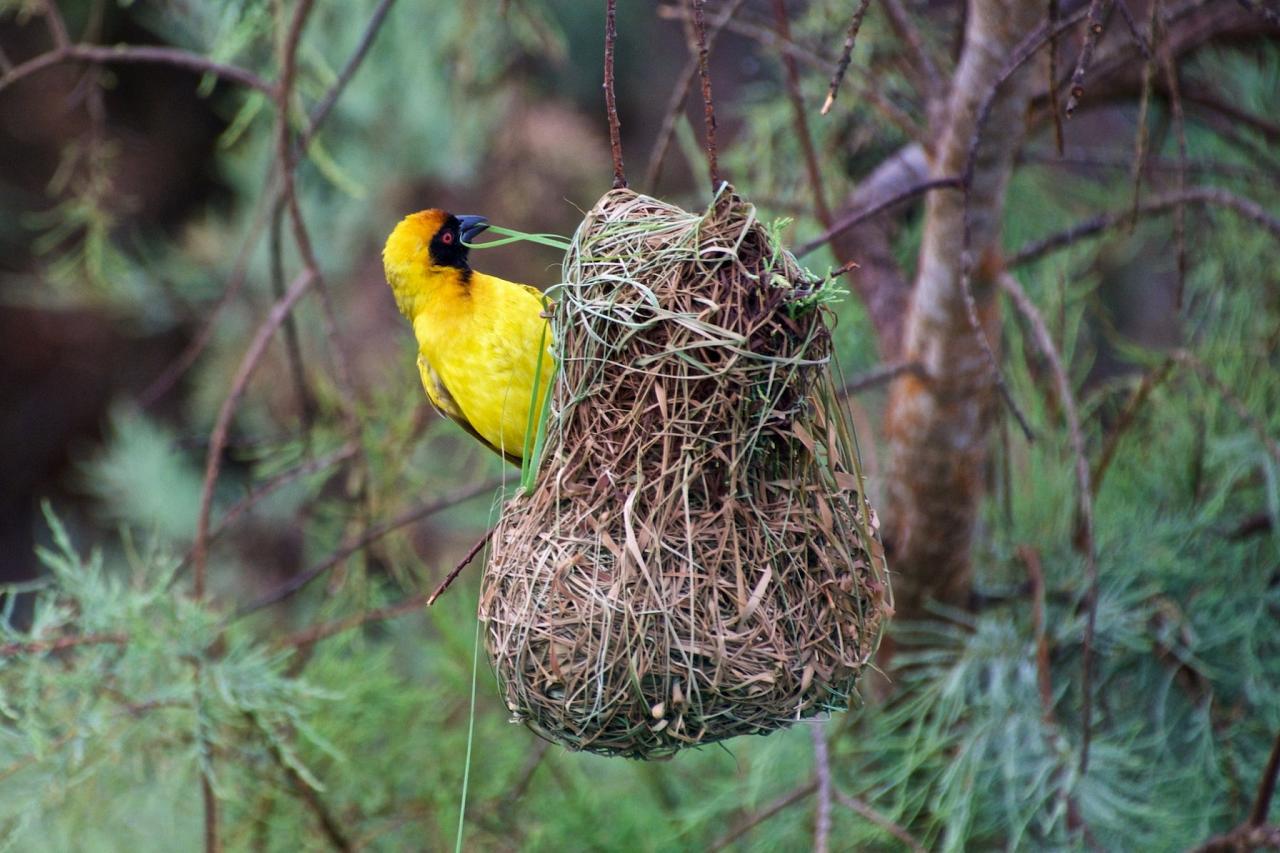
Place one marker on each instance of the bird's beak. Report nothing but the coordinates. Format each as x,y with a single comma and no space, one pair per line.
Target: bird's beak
470,227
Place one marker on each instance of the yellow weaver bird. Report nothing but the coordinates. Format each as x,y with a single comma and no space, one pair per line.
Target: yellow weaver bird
478,336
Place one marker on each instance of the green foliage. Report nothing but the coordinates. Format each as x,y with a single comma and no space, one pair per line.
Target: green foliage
103,742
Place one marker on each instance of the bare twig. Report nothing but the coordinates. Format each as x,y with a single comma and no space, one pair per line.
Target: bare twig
212,843
822,770
905,29
679,94
1180,131
1149,382
416,603
462,564
330,99
610,103
43,647
773,808
1044,679
846,54
855,217
136,54
316,633
267,205
1242,839
409,516
891,113
1209,196
864,809
801,116
222,426
881,375
1271,16
708,105
1127,14
163,383
57,26
1053,79
1084,494
311,466
1266,787
1097,10
6,64
1144,110
292,345
1233,400
324,815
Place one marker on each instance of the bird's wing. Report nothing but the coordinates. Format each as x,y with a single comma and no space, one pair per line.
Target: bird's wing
537,294
444,403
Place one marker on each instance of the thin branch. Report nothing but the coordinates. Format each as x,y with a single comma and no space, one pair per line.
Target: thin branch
57,26
43,647
330,99
462,564
846,54
1233,400
821,769
6,64
680,94
413,604
801,117
267,205
212,843
864,809
292,344
708,105
1084,494
881,375
754,820
136,54
301,237
1271,16
316,633
1241,839
409,516
1097,10
1044,679
907,32
330,825
610,103
1127,417
1180,131
165,382
1054,108
1211,102
1127,14
891,113
856,217
1144,110
222,426
1209,196
1266,787
270,487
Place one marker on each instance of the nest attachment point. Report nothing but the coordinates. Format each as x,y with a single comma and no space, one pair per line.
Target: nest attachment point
697,560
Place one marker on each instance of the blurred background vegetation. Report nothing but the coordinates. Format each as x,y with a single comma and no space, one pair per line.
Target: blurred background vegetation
140,252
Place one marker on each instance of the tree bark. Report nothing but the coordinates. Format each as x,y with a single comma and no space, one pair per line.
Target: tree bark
939,421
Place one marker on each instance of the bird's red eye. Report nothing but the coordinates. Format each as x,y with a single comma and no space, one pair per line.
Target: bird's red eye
446,238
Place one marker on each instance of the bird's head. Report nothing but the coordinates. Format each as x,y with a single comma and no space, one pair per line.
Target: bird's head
425,242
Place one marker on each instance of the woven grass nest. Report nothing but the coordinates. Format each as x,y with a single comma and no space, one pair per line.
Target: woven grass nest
697,560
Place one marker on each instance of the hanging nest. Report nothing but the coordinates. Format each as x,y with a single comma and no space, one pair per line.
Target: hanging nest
697,560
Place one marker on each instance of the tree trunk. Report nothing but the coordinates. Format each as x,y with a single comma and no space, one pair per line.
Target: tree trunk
938,423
